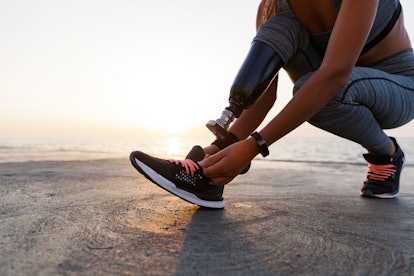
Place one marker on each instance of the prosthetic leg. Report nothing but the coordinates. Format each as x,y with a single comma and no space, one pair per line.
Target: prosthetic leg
256,73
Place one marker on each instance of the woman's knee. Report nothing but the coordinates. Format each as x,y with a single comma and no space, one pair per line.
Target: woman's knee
284,34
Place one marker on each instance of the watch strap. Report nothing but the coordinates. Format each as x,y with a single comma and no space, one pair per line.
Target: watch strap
264,150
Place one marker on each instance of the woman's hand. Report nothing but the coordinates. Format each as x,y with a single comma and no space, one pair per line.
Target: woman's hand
225,165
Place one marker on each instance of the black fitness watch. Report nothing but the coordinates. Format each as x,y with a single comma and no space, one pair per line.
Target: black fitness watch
264,150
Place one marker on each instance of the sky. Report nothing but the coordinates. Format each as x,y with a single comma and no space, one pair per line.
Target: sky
125,68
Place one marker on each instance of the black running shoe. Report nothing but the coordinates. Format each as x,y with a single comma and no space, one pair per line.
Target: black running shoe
383,179
183,178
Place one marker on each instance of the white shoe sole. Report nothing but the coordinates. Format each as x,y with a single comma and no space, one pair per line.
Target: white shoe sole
170,187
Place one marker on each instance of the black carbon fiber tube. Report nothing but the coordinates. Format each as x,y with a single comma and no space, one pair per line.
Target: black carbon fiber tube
256,73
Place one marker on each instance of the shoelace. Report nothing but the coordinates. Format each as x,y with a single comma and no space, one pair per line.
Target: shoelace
380,172
189,165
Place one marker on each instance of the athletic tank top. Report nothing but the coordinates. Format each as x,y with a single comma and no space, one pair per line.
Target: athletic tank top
387,14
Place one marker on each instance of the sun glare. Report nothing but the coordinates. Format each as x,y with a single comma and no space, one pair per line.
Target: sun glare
162,97
173,146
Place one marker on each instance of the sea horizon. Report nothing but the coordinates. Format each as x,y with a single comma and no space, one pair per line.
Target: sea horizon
329,149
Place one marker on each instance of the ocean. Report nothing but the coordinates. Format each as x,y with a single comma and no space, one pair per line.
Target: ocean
290,149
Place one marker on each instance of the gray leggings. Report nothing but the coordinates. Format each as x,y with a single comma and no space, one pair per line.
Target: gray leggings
375,98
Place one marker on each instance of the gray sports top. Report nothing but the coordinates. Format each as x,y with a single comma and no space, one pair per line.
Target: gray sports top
385,13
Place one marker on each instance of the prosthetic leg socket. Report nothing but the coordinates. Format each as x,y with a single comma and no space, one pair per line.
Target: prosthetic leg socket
255,75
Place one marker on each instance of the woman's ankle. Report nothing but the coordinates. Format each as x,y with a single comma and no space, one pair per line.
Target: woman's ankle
392,149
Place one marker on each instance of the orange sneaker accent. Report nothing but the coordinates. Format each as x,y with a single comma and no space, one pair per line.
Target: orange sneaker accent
380,172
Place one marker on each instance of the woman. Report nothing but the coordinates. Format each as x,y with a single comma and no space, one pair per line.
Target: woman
353,68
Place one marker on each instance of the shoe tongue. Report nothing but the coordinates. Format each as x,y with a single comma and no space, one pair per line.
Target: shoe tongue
196,154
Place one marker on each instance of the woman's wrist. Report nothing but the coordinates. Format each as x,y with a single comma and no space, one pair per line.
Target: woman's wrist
252,146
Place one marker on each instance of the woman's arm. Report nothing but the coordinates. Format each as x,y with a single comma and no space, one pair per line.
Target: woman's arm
348,37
